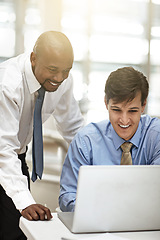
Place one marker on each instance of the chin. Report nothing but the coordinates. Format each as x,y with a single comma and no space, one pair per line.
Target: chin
126,138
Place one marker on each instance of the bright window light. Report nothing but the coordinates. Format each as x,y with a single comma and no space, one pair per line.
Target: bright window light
116,25
7,42
118,49
155,31
32,17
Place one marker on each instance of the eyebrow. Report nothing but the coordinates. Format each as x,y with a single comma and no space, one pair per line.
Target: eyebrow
114,106
132,108
53,67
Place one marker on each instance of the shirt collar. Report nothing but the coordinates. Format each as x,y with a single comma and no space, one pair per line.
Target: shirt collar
32,82
118,141
136,137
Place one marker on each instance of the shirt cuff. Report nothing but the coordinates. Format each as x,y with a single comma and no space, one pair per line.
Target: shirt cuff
23,199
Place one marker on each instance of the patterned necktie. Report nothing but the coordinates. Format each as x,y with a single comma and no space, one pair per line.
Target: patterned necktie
37,145
126,158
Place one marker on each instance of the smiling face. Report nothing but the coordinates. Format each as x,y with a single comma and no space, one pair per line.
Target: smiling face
52,59
125,116
51,68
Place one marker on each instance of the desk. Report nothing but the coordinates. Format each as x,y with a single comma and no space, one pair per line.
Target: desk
55,229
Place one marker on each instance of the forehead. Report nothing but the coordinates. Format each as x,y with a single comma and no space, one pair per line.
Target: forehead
54,58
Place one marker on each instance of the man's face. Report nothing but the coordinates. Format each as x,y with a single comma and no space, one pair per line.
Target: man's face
51,68
125,116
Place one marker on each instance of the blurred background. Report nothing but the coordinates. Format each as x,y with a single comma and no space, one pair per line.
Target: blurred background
105,34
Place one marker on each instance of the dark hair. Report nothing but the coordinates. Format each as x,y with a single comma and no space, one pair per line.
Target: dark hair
124,84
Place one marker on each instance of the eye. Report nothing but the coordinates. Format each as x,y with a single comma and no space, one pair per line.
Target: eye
66,71
116,110
133,110
52,70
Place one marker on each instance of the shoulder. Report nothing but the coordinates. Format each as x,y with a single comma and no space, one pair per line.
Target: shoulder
93,130
89,137
150,123
11,72
14,62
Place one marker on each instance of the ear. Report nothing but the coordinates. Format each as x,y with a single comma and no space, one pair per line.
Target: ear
105,101
33,59
144,105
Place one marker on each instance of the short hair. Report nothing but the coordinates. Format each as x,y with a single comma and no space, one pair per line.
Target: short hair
124,84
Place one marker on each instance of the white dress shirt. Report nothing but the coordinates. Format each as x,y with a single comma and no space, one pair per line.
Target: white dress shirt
18,91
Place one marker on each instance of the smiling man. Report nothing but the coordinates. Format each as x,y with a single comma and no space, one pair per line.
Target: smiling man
47,67
52,60
101,143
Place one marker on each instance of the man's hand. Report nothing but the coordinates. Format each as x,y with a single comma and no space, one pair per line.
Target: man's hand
36,212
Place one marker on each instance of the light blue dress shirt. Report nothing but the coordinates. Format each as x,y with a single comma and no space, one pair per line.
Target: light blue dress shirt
99,144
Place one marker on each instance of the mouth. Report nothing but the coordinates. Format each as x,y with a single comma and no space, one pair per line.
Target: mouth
124,126
54,84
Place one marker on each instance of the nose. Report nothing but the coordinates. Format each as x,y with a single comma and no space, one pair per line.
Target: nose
58,77
124,118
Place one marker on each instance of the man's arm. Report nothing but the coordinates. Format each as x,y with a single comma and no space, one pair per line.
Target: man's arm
77,155
12,180
154,148
67,113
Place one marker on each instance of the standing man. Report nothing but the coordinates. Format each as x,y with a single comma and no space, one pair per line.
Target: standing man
47,67
127,138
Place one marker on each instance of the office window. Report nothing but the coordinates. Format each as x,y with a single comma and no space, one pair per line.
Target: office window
32,24
154,97
105,35
7,31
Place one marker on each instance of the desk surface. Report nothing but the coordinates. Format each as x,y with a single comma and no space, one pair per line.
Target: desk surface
55,229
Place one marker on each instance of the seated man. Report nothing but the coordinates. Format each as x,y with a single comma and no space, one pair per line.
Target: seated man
126,92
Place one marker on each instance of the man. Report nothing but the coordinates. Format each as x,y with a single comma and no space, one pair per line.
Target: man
100,143
48,66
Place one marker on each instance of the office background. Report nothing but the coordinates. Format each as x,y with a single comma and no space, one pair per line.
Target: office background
105,34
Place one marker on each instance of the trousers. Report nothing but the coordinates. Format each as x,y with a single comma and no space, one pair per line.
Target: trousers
9,215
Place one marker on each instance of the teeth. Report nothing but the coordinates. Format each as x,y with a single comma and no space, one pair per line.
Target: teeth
54,84
124,126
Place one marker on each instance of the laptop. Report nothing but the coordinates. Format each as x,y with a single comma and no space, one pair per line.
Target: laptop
115,199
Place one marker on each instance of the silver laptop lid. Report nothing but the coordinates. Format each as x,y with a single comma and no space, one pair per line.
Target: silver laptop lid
117,198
